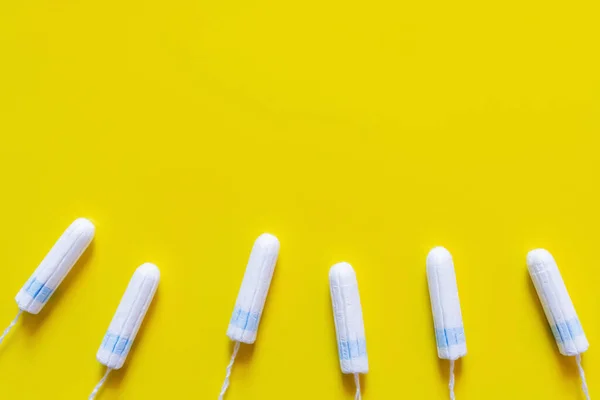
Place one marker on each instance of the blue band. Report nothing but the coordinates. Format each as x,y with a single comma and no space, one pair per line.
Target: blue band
567,331
245,320
116,344
352,349
38,291
449,337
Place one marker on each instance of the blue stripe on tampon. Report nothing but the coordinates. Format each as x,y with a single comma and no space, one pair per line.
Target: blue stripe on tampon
44,294
116,344
38,290
245,320
28,283
566,331
33,287
449,337
349,349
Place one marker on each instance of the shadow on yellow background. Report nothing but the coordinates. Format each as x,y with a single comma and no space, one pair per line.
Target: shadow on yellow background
367,132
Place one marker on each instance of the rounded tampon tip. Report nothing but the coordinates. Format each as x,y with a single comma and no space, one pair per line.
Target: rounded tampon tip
539,256
85,224
150,270
267,242
438,257
538,260
343,271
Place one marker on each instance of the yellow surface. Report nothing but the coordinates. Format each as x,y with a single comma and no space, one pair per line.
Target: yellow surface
359,131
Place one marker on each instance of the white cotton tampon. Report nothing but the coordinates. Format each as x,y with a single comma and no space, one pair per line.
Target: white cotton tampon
348,318
250,302
127,320
558,307
349,325
55,266
243,325
556,303
46,278
129,316
445,306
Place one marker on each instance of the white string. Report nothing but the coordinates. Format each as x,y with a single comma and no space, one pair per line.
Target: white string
99,385
584,386
228,373
451,383
9,327
357,382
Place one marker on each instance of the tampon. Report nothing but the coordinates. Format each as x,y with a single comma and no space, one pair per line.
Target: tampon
558,307
348,318
445,306
250,302
46,278
127,320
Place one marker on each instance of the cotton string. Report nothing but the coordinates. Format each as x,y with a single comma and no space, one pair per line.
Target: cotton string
357,382
584,386
99,385
9,327
228,373
451,383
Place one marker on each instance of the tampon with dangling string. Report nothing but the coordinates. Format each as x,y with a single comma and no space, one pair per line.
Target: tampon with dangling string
127,320
44,281
250,302
349,325
558,308
445,306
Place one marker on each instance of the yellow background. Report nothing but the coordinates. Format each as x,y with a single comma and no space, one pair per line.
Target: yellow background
359,131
